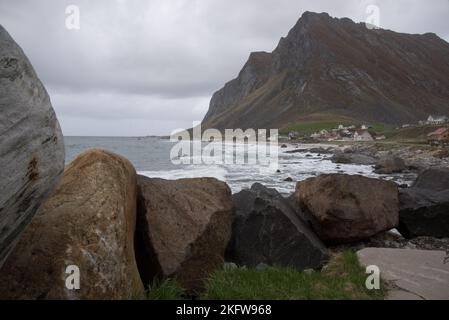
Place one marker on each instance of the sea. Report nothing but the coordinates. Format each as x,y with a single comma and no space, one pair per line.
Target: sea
151,157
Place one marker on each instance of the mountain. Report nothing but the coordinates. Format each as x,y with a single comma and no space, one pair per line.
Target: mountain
335,69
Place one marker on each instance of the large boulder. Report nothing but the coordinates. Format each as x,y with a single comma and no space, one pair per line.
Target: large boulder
424,208
31,144
390,164
321,150
183,229
268,231
435,179
343,208
88,222
341,157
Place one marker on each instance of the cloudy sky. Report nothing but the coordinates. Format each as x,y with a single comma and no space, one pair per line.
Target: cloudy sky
142,67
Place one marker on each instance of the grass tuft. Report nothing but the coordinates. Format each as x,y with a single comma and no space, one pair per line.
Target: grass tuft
167,290
342,279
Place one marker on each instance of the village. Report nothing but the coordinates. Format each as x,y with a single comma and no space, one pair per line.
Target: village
366,133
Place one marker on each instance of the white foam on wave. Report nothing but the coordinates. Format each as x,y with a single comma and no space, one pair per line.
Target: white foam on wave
297,166
188,173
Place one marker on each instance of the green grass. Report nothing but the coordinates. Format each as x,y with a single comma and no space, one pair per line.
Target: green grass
385,129
342,279
414,135
311,127
167,290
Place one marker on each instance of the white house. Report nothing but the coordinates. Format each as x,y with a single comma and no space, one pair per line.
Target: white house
362,135
293,135
437,120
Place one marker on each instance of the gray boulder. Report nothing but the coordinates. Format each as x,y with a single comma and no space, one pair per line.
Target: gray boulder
352,158
267,230
424,208
389,165
321,150
436,179
31,147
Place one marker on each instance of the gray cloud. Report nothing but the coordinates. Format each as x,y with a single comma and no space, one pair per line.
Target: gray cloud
147,67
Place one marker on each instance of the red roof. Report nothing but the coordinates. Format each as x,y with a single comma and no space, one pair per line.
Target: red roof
438,132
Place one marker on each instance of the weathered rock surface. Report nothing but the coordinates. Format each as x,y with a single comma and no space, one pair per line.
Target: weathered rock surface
322,150
435,179
389,165
412,274
183,229
343,208
424,208
415,157
352,158
31,144
394,240
268,231
89,222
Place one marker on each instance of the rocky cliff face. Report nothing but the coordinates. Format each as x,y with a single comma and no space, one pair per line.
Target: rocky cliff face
328,68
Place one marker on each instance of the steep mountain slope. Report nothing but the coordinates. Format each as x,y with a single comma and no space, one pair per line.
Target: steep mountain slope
328,68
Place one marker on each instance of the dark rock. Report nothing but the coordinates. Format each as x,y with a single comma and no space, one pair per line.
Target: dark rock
352,158
424,208
296,151
413,168
389,165
284,146
183,229
436,179
343,208
395,241
31,144
341,158
424,213
321,150
267,230
288,179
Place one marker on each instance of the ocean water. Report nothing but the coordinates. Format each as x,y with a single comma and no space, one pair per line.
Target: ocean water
151,157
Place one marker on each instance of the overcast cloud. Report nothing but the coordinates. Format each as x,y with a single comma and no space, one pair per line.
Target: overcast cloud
141,67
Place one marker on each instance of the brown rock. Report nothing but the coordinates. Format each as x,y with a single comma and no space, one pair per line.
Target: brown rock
89,222
183,228
343,208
